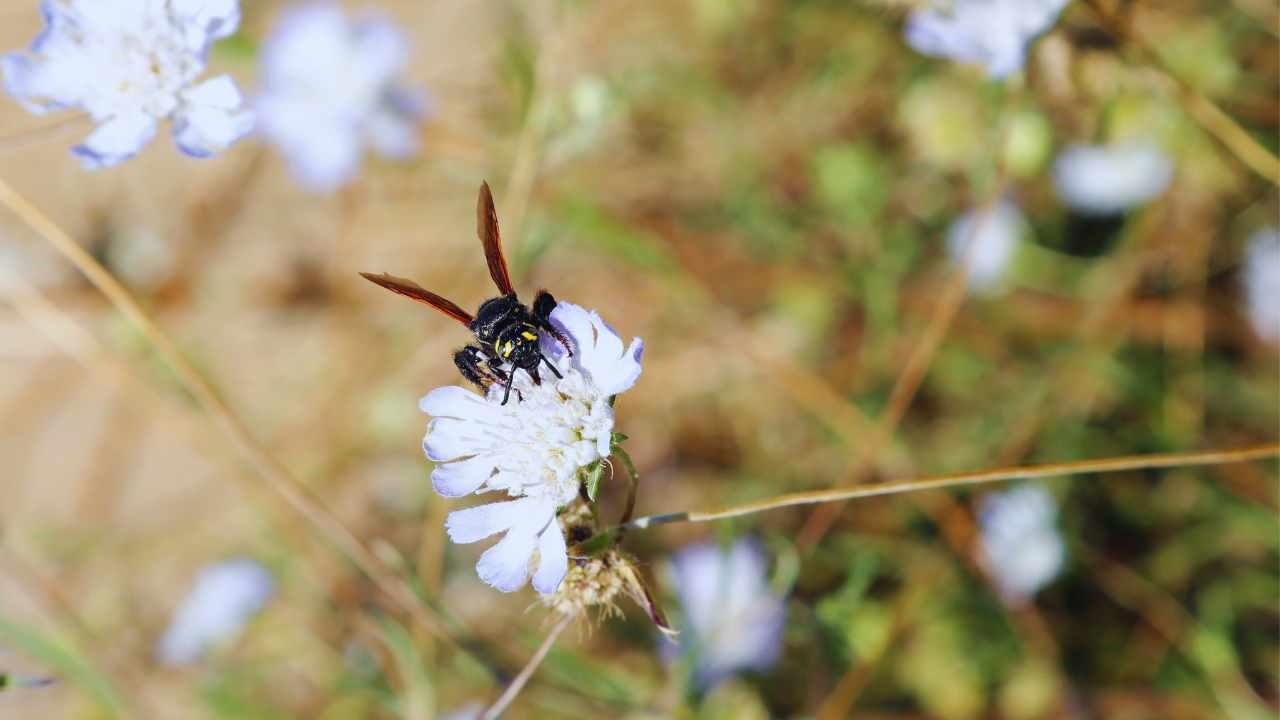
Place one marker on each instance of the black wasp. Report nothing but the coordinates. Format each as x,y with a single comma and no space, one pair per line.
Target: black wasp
507,330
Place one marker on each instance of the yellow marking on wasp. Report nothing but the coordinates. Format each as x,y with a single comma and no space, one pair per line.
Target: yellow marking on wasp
506,349
528,335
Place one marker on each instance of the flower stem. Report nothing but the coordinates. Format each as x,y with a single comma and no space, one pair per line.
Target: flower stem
522,679
633,483
1104,465
277,477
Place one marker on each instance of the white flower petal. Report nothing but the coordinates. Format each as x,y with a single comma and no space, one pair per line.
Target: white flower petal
222,600
462,477
505,566
215,18
38,86
1020,540
453,401
985,239
1262,283
481,521
212,118
379,48
118,139
1110,179
553,559
598,351
450,439
991,33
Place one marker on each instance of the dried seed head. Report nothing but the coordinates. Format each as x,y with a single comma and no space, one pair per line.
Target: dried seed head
596,581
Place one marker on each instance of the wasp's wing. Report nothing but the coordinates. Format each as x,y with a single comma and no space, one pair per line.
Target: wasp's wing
487,229
411,289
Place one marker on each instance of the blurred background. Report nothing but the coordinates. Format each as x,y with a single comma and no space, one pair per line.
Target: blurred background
761,190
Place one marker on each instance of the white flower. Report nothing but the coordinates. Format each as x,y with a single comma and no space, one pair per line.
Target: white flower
1110,179
1020,540
984,240
130,64
329,88
1262,283
530,449
225,597
991,33
733,620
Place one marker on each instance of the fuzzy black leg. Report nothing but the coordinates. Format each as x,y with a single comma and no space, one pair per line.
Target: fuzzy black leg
469,361
543,304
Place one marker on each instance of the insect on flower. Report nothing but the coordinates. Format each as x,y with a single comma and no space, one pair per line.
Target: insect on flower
507,330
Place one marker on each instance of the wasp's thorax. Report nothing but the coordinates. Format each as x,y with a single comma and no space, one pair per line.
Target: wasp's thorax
505,326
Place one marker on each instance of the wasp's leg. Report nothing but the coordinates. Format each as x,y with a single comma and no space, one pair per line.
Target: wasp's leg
502,377
543,304
554,371
470,361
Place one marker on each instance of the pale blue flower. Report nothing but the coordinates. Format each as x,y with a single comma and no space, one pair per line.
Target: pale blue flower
1110,179
329,89
1021,545
130,64
223,599
1262,283
992,33
531,450
733,620
985,239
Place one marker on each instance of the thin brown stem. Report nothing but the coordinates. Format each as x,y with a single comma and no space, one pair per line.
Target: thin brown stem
276,476
509,695
980,477
1213,119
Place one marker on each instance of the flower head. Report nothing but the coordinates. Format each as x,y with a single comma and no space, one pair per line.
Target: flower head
130,64
1110,179
991,33
1262,283
1020,540
984,239
532,449
222,601
733,620
329,89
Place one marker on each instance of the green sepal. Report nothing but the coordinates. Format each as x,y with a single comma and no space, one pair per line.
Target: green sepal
593,477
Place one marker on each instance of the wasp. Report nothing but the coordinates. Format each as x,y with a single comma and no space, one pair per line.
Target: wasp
507,331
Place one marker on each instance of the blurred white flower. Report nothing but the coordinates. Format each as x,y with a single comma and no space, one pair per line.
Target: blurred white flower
733,619
130,64
222,601
1262,283
531,450
329,89
984,239
1020,541
1110,179
991,33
